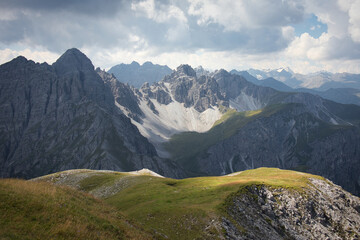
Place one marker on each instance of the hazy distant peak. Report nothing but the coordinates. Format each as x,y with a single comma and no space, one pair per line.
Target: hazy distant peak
136,74
284,69
134,63
147,63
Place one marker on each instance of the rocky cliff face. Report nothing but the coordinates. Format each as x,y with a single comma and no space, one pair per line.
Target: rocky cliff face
201,92
302,131
323,211
63,116
289,139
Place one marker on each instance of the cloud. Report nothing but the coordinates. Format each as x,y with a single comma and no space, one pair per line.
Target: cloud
237,15
222,33
37,56
92,8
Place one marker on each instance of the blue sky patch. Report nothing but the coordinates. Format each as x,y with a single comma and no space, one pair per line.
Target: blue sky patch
311,25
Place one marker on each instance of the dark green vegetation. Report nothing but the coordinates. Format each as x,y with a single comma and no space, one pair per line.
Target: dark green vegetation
167,208
39,210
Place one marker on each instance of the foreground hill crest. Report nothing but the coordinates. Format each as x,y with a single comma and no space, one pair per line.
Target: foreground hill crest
254,204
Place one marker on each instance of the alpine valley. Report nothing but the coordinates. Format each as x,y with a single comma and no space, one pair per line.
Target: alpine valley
189,126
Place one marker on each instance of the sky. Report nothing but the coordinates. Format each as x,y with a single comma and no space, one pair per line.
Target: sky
305,35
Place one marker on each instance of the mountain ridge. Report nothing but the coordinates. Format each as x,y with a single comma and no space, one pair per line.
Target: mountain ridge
64,116
86,118
260,203
222,91
136,74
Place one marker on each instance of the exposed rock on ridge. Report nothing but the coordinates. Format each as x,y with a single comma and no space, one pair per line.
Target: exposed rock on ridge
63,116
324,211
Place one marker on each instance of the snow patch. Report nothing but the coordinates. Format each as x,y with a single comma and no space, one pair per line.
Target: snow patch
258,76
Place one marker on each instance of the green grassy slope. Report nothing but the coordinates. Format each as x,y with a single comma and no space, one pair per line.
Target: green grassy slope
177,209
181,146
39,210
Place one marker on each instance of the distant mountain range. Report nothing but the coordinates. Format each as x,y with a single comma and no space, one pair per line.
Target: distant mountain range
340,95
69,115
136,75
341,88
320,81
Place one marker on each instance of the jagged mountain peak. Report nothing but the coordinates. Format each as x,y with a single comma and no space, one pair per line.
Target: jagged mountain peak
73,60
18,62
186,69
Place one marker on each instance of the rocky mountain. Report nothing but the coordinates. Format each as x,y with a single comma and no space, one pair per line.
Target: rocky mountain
136,75
63,116
320,81
68,115
293,130
263,203
340,95
201,71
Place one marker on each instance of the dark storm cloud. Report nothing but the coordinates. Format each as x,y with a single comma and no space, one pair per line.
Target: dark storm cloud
88,7
58,25
14,30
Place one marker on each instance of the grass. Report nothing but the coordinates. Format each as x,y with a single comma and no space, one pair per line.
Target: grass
39,210
181,145
164,208
182,209
98,180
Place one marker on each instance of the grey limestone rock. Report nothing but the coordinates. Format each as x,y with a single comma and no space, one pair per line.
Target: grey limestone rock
64,116
322,211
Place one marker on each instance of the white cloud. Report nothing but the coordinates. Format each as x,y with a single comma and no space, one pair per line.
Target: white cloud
160,14
236,15
354,21
213,33
37,56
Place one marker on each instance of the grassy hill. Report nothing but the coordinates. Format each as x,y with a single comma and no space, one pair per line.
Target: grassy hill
40,210
165,208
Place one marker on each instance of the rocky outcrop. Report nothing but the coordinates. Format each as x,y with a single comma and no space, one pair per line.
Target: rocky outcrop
124,95
322,211
63,116
187,88
157,92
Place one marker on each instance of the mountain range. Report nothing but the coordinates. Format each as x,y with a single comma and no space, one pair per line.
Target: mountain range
339,94
320,81
136,74
70,115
